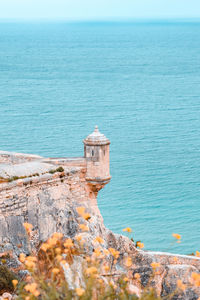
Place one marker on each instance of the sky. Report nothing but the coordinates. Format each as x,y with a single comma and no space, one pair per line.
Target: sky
98,9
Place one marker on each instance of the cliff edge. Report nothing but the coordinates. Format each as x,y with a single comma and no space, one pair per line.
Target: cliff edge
46,192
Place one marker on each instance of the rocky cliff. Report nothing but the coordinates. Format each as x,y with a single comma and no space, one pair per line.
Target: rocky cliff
47,192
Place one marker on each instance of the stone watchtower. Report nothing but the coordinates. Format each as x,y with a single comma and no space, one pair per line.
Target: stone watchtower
96,153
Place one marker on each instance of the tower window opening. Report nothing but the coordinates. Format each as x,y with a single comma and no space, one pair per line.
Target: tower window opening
92,152
104,152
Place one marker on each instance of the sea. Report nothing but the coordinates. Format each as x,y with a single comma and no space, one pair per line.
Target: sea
140,83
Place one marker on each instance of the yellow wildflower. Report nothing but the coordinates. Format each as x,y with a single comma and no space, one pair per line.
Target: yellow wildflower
28,227
68,243
30,264
176,236
91,270
80,291
196,278
198,253
99,240
52,241
63,262
86,216
15,282
126,279
155,265
31,258
57,235
128,262
83,227
55,271
78,238
22,257
36,293
114,252
127,229
30,261
113,285
137,276
101,281
80,210
175,259
106,252
45,247
106,268
180,285
59,257
32,288
58,250
140,245
97,252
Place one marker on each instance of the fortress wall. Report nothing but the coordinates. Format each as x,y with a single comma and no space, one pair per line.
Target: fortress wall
48,202
16,158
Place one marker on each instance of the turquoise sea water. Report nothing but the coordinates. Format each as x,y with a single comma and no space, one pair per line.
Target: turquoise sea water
141,84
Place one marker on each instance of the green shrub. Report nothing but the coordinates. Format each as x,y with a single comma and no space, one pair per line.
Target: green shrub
59,169
6,277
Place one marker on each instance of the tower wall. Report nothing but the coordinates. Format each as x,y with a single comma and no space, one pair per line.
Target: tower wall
96,153
98,162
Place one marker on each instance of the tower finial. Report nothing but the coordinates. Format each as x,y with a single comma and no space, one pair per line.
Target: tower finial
96,138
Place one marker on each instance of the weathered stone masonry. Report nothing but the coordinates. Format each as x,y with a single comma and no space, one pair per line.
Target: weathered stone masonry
45,197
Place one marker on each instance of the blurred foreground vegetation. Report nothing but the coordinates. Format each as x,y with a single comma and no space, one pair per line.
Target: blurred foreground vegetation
63,269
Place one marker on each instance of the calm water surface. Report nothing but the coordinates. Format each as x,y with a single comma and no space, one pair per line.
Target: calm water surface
141,84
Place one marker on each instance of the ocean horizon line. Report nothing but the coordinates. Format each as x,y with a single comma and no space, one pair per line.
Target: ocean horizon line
142,20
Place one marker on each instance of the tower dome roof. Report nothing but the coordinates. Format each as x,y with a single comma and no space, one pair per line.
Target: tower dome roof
96,138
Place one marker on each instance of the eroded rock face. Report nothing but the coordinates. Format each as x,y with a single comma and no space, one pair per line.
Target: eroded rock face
184,272
172,268
48,200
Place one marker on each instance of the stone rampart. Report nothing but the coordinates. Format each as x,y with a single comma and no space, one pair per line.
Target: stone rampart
45,197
